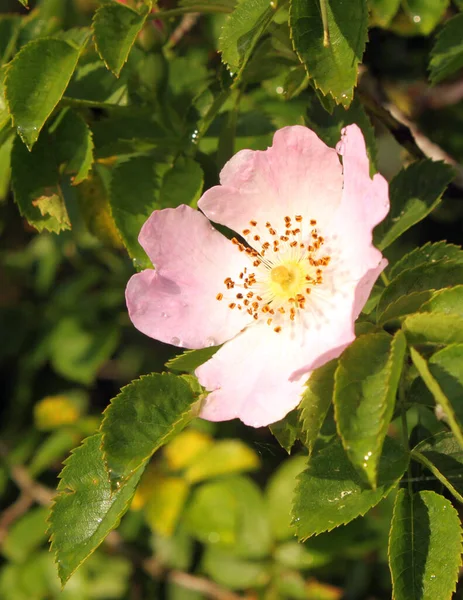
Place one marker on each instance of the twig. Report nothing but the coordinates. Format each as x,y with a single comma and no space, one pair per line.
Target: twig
185,25
202,585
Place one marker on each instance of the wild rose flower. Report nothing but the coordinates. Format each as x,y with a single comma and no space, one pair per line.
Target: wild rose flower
283,301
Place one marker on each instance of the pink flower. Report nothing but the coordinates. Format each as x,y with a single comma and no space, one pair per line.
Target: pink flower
283,302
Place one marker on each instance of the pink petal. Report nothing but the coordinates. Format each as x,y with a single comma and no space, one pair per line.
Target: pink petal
259,376
176,303
365,202
297,175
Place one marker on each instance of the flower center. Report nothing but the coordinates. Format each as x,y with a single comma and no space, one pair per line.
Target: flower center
281,275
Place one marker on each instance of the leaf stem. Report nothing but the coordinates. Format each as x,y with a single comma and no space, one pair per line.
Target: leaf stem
326,31
403,417
384,278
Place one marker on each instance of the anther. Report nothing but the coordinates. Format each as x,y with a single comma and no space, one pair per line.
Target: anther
277,329
246,231
298,218
219,297
232,305
253,223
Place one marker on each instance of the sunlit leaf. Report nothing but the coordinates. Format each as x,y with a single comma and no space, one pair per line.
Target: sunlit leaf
142,418
364,397
116,26
447,53
331,57
424,547
330,492
86,509
36,81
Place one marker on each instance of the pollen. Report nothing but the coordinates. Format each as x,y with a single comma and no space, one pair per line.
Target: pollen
278,286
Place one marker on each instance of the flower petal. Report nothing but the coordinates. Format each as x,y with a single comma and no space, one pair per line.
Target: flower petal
365,203
297,175
176,303
259,376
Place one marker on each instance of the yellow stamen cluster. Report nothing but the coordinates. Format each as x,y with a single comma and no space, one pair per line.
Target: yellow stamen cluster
286,269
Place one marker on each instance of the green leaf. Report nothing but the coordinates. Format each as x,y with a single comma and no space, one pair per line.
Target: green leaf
364,397
230,513
405,305
432,276
73,144
444,380
315,403
86,509
233,572
78,352
190,360
447,53
429,253
35,182
424,547
332,63
222,458
35,82
116,27
242,30
26,535
287,430
141,419
443,456
447,301
279,494
383,11
182,184
433,328
24,3
332,493
414,193
426,14
130,211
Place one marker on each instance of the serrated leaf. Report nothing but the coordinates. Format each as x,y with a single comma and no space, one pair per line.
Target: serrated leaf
222,458
432,276
424,547
328,126
35,82
443,456
73,145
242,30
332,63
116,27
429,253
287,430
141,419
315,403
332,493
444,379
134,195
414,193
182,184
190,360
447,301
86,509
405,305
433,328
366,382
35,182
447,53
